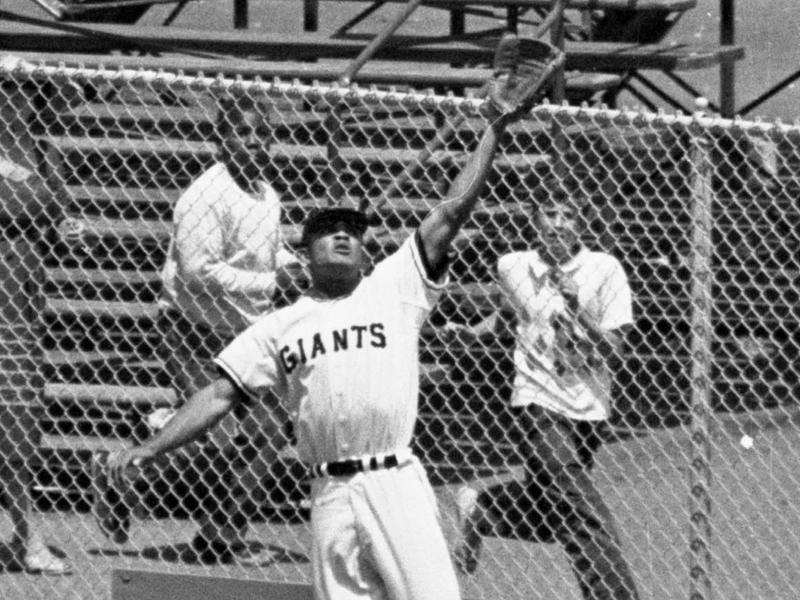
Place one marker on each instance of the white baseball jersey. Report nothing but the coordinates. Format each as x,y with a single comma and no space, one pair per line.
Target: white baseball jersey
346,367
548,372
220,267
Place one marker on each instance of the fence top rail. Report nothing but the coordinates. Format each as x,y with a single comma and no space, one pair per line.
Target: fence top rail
422,76
16,68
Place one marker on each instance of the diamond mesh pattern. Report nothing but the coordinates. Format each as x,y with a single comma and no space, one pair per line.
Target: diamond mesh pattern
700,462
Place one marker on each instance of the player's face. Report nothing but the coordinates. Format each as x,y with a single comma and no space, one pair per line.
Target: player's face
559,225
337,246
245,145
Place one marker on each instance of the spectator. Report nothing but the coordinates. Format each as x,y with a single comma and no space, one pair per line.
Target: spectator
572,307
225,266
27,219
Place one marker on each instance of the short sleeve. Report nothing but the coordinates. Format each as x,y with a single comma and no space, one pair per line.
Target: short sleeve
403,275
508,266
514,277
252,362
615,298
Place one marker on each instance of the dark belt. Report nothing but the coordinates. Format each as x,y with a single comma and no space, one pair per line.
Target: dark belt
351,466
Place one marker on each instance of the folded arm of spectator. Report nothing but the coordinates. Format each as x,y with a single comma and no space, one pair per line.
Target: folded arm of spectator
200,244
606,343
607,335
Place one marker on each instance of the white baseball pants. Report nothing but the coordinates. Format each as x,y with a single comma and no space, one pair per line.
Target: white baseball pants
376,535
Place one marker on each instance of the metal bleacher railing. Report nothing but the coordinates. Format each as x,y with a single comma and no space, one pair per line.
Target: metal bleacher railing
611,46
701,211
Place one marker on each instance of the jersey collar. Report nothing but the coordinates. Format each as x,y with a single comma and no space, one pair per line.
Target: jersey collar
539,268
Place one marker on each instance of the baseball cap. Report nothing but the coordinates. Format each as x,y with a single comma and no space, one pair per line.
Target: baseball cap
319,218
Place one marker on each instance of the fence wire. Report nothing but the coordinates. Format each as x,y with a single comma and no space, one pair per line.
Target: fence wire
700,466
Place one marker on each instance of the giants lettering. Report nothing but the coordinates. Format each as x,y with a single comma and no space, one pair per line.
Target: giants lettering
349,338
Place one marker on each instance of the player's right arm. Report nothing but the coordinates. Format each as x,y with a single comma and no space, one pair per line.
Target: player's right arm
202,411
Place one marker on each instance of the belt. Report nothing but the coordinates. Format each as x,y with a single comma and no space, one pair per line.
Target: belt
351,466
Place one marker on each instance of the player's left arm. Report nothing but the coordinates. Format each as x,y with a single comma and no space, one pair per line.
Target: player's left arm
443,223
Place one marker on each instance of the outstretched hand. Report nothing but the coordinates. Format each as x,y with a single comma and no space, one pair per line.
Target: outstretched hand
122,465
522,68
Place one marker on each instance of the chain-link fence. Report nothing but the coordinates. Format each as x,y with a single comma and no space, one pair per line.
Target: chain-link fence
699,465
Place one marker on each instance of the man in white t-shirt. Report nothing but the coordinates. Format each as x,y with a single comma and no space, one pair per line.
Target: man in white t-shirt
225,268
571,307
344,361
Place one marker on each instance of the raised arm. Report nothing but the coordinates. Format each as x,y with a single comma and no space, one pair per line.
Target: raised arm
443,223
512,92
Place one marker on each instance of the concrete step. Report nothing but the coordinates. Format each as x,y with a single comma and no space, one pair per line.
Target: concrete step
108,395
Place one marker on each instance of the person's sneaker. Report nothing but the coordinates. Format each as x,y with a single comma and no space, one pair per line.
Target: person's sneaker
469,548
44,562
109,509
254,555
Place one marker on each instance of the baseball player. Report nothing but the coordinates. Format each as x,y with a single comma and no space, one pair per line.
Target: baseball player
343,360
572,308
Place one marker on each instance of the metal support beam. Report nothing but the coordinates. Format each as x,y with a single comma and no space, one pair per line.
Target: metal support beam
310,15
512,18
761,98
557,39
458,26
458,21
240,14
173,14
378,41
727,69
358,18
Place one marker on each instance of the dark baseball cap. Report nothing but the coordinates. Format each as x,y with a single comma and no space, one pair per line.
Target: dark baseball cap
319,218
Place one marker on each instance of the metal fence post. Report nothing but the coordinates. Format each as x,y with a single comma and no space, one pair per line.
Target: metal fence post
701,358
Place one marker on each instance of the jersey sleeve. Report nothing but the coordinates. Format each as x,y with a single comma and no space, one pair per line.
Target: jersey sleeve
404,275
251,361
615,297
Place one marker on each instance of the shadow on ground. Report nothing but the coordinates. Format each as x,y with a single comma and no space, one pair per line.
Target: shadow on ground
185,553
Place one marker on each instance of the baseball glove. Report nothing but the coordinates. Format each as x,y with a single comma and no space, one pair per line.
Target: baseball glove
522,67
